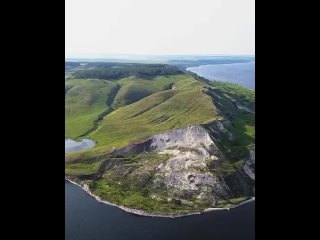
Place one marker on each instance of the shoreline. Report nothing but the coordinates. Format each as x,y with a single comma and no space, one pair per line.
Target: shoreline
138,212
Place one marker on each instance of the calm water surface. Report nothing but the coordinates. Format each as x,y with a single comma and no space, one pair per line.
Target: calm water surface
72,146
239,73
85,219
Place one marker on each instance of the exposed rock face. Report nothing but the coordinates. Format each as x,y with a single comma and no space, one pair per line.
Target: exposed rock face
190,137
133,148
195,137
249,167
189,173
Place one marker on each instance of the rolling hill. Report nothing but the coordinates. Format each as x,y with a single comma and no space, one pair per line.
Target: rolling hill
166,143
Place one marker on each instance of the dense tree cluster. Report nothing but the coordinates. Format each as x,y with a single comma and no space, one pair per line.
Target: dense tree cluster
102,71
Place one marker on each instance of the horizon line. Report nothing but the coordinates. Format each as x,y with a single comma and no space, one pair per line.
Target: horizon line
159,55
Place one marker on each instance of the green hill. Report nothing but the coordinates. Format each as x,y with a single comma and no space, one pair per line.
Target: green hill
84,101
165,144
165,110
153,106
134,88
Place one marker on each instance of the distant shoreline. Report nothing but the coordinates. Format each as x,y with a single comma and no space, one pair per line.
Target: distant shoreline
85,187
227,72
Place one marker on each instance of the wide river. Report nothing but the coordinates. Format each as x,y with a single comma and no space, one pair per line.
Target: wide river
239,73
87,219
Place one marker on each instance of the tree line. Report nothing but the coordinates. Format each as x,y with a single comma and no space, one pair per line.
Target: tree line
120,71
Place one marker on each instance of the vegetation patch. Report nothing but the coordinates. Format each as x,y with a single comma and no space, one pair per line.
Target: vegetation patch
120,104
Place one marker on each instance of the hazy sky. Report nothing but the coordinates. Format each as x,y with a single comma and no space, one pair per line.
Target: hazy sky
98,28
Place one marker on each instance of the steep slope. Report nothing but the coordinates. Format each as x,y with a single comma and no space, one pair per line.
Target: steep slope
180,146
87,101
134,88
177,172
154,114
84,101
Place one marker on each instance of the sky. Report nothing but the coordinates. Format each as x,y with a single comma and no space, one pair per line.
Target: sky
102,28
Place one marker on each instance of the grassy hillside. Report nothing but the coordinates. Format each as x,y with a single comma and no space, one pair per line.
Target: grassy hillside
87,99
134,88
84,101
143,107
237,105
168,109
138,108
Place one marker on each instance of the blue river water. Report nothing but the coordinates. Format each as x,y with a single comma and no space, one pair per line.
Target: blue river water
239,73
87,219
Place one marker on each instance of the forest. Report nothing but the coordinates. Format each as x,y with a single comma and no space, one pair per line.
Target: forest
117,71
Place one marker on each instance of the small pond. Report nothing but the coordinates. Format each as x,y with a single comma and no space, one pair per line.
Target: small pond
72,146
